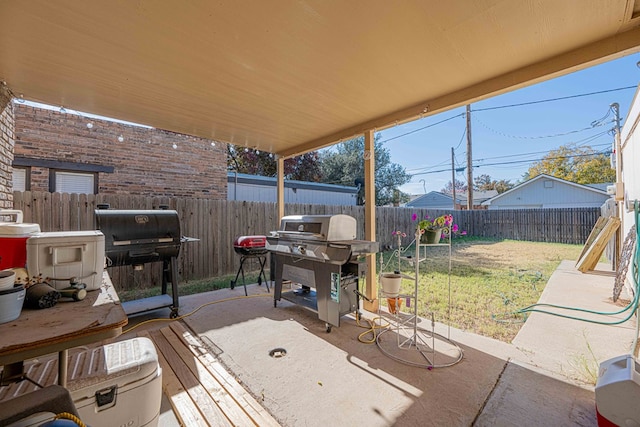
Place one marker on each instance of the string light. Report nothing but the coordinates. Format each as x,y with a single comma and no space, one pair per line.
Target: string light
175,146
120,138
90,125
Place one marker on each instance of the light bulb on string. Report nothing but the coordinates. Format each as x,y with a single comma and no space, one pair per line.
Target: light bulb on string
90,125
175,146
120,138
213,144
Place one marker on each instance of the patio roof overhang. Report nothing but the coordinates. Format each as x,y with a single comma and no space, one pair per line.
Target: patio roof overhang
291,76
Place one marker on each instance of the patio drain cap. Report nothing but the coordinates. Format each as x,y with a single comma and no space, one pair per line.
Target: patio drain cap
278,352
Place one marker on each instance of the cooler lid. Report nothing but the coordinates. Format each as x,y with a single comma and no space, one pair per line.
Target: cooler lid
59,237
123,363
15,229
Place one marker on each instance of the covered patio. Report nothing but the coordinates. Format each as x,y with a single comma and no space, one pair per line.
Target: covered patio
294,76
323,379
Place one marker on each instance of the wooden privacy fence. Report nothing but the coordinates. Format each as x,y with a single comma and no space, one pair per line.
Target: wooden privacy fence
218,222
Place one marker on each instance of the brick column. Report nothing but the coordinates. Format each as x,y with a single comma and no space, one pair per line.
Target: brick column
7,141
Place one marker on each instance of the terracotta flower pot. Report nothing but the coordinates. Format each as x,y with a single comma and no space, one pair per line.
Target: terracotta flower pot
395,304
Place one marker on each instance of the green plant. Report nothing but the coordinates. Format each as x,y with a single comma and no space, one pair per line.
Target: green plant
442,221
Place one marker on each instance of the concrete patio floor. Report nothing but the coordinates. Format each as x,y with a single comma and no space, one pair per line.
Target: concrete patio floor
334,379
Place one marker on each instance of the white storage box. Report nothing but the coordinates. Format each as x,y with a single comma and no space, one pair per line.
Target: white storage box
118,384
62,256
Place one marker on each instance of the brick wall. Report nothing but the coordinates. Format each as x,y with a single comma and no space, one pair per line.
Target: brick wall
145,162
6,148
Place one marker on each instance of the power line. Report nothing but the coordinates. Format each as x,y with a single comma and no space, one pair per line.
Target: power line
422,128
520,161
594,124
555,99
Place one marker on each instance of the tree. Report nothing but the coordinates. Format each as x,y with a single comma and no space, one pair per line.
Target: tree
461,187
485,183
245,160
582,165
345,165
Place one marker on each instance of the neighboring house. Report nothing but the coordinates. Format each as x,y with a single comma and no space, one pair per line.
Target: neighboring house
545,191
432,200
74,153
263,189
628,186
438,200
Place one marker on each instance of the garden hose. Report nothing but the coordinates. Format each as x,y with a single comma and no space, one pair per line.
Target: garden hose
633,305
194,311
372,329
70,417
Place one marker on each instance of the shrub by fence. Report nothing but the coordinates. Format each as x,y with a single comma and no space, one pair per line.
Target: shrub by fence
218,222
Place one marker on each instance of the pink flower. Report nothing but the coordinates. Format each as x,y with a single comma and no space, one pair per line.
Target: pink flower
414,217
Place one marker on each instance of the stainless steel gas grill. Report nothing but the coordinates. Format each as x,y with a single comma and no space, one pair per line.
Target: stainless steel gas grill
137,237
320,253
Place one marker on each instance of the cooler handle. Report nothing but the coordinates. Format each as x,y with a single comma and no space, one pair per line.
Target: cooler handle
53,250
11,212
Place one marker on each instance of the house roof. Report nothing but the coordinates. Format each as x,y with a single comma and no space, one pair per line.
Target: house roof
431,199
528,182
268,181
478,196
295,75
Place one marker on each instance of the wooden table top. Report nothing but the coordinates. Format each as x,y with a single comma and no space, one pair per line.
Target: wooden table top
67,324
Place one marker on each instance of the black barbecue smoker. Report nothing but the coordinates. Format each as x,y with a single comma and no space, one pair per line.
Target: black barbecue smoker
138,237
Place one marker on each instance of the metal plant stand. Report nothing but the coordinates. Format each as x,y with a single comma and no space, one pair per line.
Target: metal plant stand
414,344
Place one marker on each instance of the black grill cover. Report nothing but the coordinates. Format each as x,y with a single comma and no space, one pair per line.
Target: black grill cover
134,237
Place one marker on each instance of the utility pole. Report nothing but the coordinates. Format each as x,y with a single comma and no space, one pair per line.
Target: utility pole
619,196
469,162
453,180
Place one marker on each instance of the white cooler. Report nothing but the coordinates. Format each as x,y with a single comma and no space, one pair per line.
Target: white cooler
118,384
66,255
618,392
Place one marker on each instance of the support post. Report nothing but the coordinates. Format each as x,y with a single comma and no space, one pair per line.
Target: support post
469,162
371,282
280,190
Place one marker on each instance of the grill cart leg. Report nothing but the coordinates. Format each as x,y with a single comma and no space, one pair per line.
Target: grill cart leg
263,260
170,274
240,270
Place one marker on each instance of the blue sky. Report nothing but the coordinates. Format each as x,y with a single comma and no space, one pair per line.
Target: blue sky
503,137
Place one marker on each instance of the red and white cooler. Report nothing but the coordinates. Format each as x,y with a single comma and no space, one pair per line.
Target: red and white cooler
13,239
618,392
